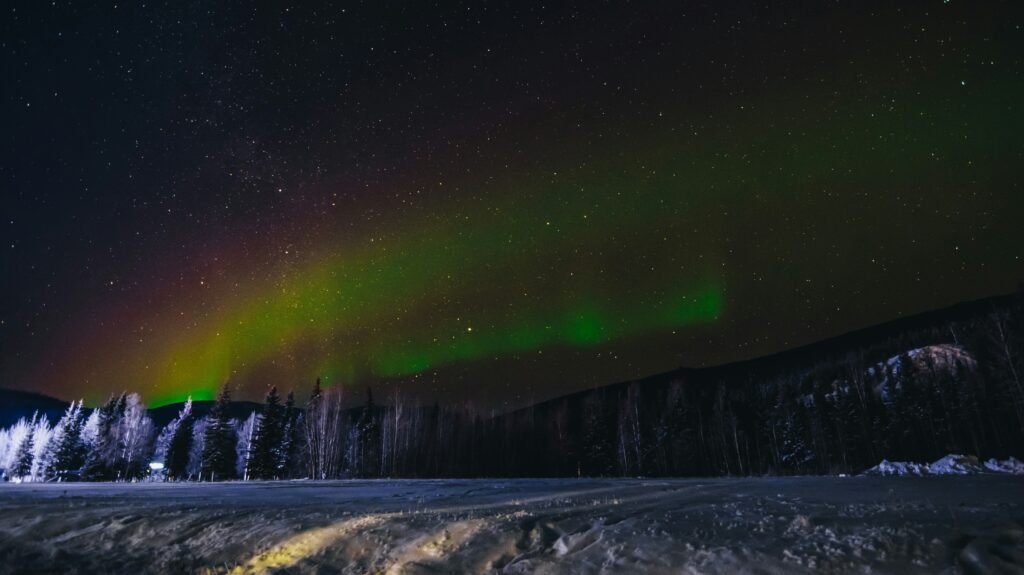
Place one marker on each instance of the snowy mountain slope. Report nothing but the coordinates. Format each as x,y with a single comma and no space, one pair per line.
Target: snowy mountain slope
944,359
913,389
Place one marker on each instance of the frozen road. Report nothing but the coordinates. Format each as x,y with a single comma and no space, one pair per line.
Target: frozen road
969,524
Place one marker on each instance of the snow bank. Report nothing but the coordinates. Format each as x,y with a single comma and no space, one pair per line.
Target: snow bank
956,465
951,464
1012,465
887,467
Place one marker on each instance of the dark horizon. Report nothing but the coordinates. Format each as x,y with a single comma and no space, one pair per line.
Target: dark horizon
822,350
914,390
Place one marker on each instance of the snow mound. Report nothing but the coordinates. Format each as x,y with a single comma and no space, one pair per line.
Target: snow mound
887,467
1012,466
951,464
955,465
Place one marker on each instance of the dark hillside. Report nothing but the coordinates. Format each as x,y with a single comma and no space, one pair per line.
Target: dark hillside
17,404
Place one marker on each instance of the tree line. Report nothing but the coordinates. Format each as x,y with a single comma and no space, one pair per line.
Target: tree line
952,387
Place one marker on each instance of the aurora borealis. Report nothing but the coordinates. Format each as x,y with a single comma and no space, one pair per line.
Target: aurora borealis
492,203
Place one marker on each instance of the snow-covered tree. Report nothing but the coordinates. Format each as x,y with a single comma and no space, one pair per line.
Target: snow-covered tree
25,455
795,451
265,450
163,439
26,441
135,435
325,430
220,442
66,453
393,431
245,431
598,456
364,441
103,449
163,442
91,430
13,438
121,441
5,448
195,452
41,434
179,443
291,438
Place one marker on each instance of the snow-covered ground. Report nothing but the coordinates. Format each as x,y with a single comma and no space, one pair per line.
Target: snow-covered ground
946,524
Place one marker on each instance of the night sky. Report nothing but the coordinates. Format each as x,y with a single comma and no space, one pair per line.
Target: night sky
498,203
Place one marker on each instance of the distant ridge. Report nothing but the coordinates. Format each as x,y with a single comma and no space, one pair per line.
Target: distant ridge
16,404
796,411
236,409
822,350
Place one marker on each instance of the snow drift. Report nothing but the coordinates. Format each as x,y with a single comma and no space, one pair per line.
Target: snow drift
951,464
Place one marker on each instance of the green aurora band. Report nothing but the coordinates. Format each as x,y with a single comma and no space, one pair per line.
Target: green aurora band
334,301
398,305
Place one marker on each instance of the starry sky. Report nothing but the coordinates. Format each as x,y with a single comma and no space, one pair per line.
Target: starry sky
489,202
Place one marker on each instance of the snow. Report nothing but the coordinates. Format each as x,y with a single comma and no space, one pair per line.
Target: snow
956,465
740,525
1011,465
947,358
901,468
949,465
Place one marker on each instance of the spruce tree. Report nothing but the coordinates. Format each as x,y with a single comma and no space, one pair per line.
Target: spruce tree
368,430
598,453
219,457
180,445
290,438
99,455
22,466
318,391
265,451
67,452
